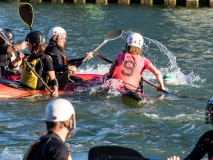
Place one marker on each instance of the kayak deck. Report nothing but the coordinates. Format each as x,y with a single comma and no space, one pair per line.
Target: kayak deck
11,87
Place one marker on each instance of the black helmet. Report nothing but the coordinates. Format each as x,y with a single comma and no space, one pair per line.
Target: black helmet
209,112
35,37
10,34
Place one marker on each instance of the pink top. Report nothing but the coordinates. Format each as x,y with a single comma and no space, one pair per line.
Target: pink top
141,61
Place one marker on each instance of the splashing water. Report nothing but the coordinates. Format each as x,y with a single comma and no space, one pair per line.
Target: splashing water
165,61
160,57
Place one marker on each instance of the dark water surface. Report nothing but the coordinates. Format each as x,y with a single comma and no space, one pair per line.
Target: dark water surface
177,40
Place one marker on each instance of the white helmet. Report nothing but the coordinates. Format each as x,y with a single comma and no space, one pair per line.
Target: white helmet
59,110
135,39
56,31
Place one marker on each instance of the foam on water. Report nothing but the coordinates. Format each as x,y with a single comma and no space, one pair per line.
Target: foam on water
9,153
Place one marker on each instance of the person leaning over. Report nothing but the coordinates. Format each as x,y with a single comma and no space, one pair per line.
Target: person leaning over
40,62
60,118
129,65
205,143
7,53
56,47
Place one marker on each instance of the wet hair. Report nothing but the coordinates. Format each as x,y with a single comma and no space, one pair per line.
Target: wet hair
134,50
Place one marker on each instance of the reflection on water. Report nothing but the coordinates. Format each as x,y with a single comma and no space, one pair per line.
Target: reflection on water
177,40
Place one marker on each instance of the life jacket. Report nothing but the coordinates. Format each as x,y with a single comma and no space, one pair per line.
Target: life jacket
128,72
4,57
65,60
61,58
28,78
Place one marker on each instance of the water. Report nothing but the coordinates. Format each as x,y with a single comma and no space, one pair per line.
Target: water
177,40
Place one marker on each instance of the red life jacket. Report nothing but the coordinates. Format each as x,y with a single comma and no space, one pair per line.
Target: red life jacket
128,72
65,60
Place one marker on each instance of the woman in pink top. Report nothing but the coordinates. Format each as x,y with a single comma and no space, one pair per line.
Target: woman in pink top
128,66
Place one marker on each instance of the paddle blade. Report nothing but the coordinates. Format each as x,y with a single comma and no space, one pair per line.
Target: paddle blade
167,92
4,35
63,80
25,11
114,153
114,34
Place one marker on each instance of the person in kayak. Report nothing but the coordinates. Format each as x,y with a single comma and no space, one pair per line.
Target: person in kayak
11,36
55,49
129,65
60,119
7,54
205,142
40,62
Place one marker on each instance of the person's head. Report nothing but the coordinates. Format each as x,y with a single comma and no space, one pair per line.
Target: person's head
58,36
209,112
60,114
134,43
36,41
169,79
10,34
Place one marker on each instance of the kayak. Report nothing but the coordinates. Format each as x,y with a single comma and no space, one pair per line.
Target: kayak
11,87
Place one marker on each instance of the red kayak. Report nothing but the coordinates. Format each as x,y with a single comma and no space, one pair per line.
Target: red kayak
11,87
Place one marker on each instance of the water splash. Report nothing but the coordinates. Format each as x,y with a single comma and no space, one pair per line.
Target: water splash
165,61
161,58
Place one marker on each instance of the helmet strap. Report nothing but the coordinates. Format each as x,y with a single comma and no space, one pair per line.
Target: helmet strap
68,128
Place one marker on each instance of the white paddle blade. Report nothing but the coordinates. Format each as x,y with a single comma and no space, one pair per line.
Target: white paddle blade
112,35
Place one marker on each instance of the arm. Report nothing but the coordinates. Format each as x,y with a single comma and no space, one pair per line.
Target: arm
53,82
18,61
202,147
157,74
19,46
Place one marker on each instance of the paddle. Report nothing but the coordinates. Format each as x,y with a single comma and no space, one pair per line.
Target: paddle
25,11
101,57
164,91
111,35
115,153
4,35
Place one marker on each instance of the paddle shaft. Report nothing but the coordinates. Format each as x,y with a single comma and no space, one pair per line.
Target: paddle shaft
92,52
156,86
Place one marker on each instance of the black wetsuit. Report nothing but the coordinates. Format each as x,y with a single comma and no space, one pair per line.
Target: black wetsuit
53,51
50,147
5,61
203,146
41,67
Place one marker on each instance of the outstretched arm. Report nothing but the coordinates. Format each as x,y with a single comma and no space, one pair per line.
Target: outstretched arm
19,46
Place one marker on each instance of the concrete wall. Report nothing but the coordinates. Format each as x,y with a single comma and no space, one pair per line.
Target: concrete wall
169,3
